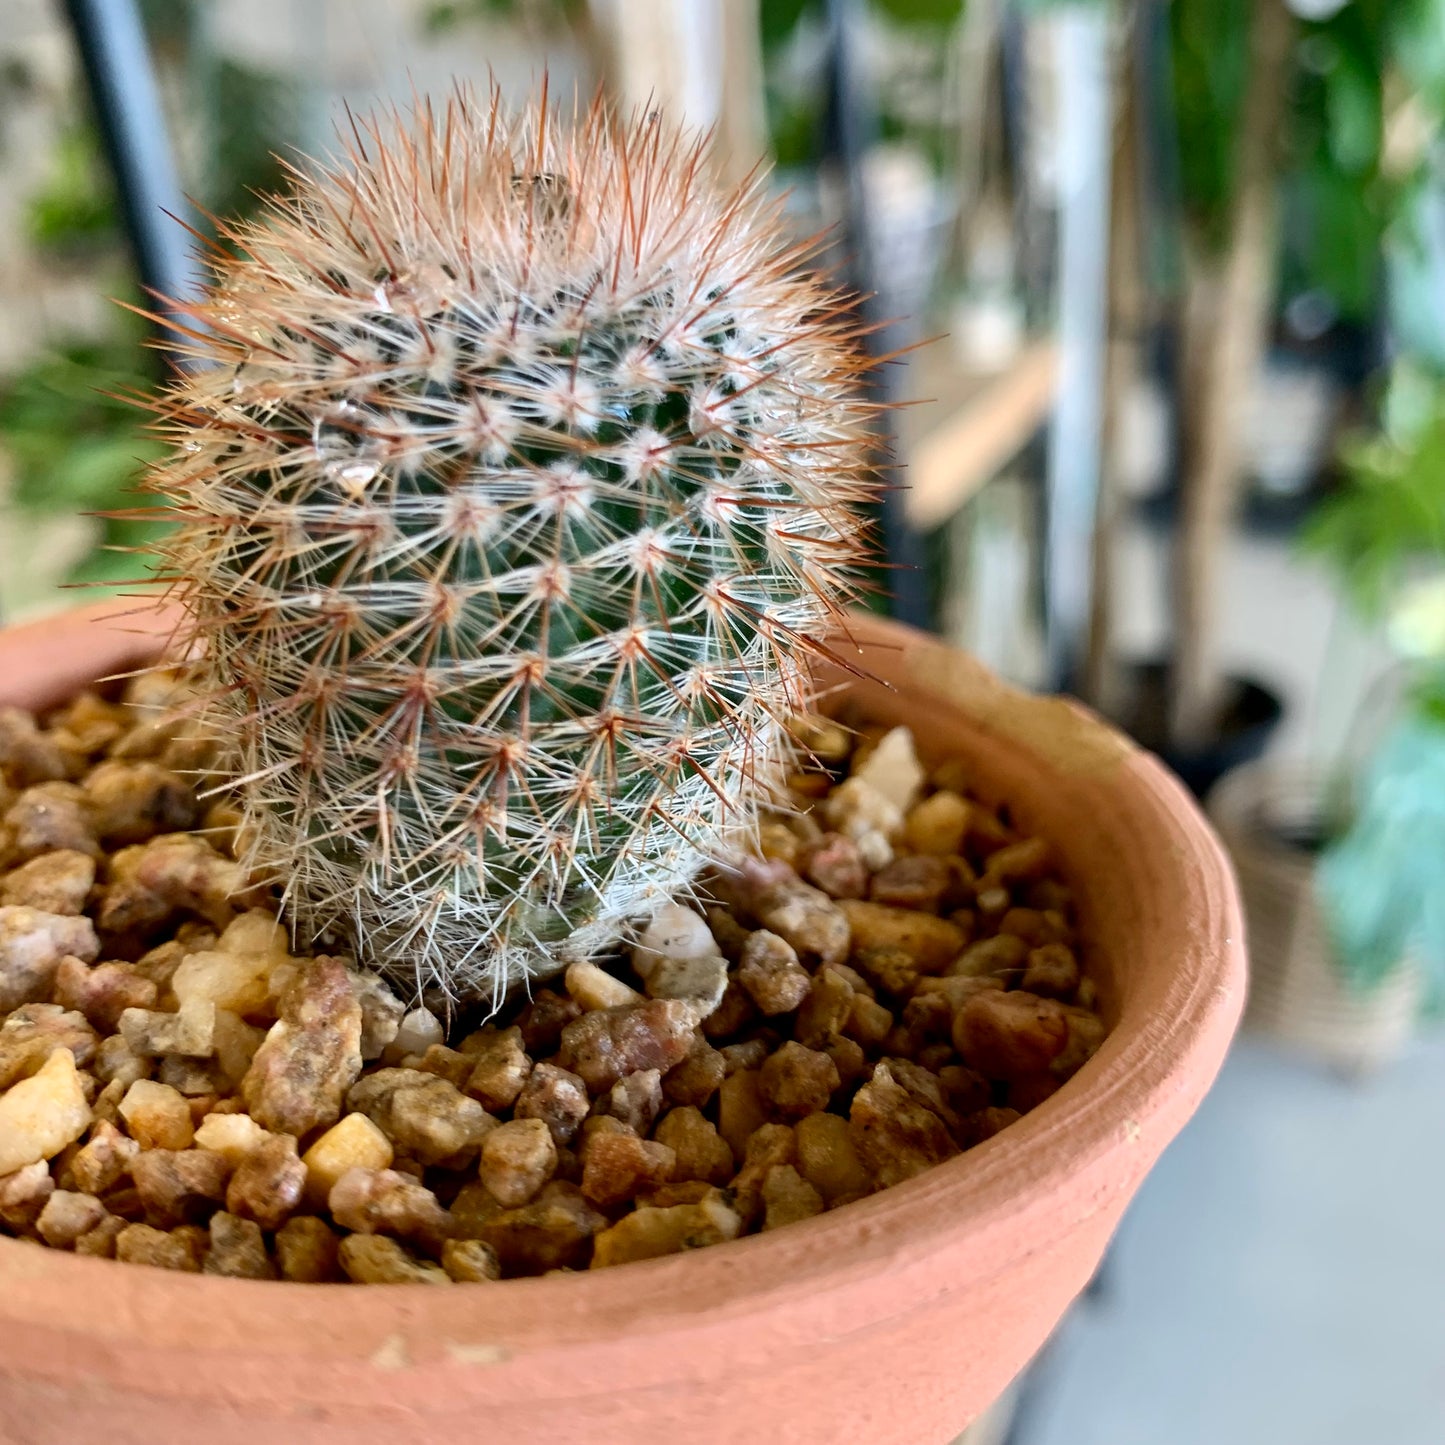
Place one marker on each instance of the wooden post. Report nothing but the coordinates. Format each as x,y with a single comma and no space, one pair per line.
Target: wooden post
1226,320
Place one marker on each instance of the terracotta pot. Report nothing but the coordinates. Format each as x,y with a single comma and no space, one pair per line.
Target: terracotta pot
893,1321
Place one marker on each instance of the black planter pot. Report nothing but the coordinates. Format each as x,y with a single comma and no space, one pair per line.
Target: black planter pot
1248,718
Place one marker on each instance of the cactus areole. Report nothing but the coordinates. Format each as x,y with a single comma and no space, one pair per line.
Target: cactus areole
518,482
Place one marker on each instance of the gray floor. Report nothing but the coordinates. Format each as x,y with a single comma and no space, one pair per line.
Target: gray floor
1280,1279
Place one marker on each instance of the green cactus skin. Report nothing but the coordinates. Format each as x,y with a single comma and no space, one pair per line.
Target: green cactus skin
521,483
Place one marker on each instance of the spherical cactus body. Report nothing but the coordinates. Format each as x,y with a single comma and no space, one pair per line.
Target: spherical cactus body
516,482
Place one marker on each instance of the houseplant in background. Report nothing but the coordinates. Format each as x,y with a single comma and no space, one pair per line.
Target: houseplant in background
514,523
76,440
1340,868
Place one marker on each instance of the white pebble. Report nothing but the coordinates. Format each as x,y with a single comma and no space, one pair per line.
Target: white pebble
701,979
419,1030
674,932
893,769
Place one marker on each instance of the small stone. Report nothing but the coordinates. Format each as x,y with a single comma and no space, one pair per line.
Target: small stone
423,1115
307,1250
805,917
788,1197
604,1046
99,1243
518,1158
132,802
836,866
777,840
236,1043
500,1068
1024,861
553,1232
890,969
156,1116
103,1160
353,1142
768,1146
769,969
733,1014
32,943
47,818
651,1233
994,958
35,1031
1010,1035
40,1115
189,1031
469,1261
233,1136
237,1249
895,1136
56,882
238,983
932,943
557,1097
309,1059
1086,1032
381,1013
637,1100
828,1160
868,1021
868,819
701,980
699,1150
27,755
102,991
740,1109
673,932
23,1195
593,987
938,825
140,1244
825,1011
1052,971
383,1201
617,1165
268,1183
417,1032
918,882
180,1186
374,1259
694,1081
449,1064
796,1081
543,1020
114,1062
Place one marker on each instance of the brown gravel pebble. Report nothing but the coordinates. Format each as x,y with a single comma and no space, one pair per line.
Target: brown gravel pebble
769,969
238,1249
862,1002
268,1183
311,1056
796,1081
895,1136
558,1098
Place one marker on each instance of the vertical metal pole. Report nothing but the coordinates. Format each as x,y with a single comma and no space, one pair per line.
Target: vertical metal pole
850,130
117,63
1082,144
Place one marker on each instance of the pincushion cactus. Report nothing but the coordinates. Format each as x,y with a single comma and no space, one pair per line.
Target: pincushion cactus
517,483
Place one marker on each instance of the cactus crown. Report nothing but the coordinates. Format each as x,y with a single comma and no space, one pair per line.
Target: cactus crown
519,485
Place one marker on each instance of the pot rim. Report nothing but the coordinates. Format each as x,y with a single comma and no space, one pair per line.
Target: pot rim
1128,1100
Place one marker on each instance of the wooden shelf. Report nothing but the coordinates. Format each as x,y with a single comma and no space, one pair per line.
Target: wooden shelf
953,444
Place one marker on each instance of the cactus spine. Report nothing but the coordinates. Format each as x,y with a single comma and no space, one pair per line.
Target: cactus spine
518,489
